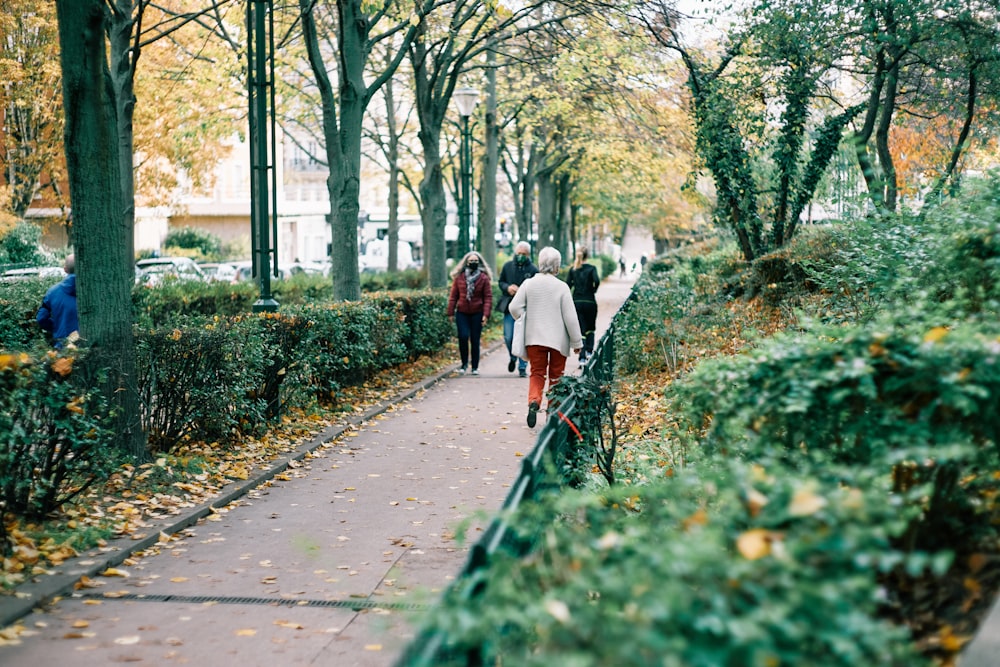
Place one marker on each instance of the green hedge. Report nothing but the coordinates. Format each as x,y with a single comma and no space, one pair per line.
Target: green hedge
215,379
726,565
53,438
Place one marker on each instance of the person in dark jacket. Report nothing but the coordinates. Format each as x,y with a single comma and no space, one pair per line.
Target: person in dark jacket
513,273
583,283
58,314
470,303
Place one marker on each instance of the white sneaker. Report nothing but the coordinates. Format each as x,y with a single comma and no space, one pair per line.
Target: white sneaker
475,371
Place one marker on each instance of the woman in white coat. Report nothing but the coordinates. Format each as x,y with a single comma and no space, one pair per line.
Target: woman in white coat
551,328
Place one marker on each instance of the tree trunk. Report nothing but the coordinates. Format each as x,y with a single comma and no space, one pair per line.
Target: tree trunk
123,60
342,185
889,185
488,186
548,203
103,260
392,157
433,213
565,217
960,144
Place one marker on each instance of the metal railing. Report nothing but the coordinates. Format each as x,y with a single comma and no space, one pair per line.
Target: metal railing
540,472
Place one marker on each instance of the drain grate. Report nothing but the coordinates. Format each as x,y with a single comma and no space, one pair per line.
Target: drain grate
356,605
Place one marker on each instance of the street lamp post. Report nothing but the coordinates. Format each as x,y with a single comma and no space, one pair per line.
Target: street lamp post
263,178
465,100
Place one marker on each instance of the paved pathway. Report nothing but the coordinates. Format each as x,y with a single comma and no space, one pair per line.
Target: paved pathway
329,563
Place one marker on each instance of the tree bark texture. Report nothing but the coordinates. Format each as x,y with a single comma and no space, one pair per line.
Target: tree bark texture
104,261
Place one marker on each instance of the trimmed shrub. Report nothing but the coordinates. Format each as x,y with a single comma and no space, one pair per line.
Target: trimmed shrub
53,440
200,381
724,565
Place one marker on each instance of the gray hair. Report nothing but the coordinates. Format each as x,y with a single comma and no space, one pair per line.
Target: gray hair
522,245
549,260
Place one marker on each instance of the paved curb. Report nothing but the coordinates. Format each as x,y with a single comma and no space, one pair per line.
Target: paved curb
47,587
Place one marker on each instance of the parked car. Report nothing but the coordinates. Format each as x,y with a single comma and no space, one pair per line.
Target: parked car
32,272
219,271
375,258
244,270
154,270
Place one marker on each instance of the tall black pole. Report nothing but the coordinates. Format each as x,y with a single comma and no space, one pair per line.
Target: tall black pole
462,246
263,176
465,234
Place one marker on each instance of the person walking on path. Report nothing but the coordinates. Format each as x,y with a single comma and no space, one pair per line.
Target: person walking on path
513,273
470,303
583,282
551,328
58,315
621,266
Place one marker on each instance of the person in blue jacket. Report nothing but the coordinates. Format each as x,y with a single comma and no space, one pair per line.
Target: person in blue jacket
58,314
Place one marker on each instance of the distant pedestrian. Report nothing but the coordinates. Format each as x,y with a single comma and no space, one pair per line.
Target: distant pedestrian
551,328
470,303
642,262
583,282
58,316
513,273
621,266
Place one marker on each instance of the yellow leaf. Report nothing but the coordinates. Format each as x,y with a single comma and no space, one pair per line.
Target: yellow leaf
806,503
755,501
246,632
63,366
114,572
935,334
373,647
81,624
754,544
179,580
289,624
699,518
950,641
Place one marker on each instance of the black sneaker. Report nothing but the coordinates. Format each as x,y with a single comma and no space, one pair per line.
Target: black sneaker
532,414
511,364
522,373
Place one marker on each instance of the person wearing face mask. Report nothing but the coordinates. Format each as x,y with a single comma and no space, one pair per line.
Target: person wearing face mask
470,303
513,273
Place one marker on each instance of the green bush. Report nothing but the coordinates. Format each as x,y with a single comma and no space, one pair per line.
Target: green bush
606,265
54,442
724,565
206,244
670,305
200,381
21,246
427,328
409,279
19,303
161,304
344,343
922,404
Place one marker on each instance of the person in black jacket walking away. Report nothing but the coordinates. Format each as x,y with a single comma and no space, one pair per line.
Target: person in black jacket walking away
583,283
513,273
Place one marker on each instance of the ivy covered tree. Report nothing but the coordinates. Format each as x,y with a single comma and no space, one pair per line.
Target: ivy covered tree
796,77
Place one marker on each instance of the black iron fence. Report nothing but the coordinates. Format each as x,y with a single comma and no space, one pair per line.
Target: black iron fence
544,469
